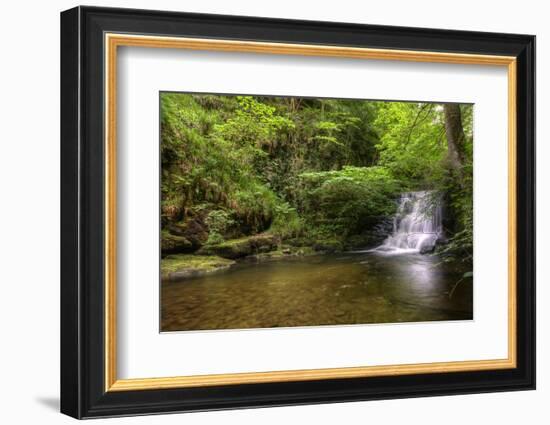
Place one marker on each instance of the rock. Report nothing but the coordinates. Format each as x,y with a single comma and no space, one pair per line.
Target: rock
193,229
427,249
243,247
281,253
328,245
377,234
264,249
299,242
185,266
189,273
184,237
174,244
229,249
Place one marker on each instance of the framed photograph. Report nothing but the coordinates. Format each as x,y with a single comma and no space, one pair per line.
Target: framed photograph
261,212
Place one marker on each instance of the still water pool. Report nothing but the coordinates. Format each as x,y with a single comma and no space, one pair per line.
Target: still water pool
348,288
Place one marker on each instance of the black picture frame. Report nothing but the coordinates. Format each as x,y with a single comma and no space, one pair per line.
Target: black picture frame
83,392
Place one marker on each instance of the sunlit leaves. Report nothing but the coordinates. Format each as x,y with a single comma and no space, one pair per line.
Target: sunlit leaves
305,166
350,197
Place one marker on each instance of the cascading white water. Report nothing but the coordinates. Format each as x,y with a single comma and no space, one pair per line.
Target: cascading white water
416,225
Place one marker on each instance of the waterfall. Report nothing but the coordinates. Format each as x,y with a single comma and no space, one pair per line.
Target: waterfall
416,224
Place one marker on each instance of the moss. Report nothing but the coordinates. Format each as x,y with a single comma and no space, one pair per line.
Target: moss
305,251
242,247
300,242
328,245
232,242
183,266
254,240
174,243
285,252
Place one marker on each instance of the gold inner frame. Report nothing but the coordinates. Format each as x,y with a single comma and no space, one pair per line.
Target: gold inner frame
113,41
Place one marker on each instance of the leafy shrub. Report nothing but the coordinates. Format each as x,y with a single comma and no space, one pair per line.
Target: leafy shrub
287,224
219,222
214,238
350,198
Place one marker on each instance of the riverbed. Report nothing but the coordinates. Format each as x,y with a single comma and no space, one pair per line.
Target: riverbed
331,289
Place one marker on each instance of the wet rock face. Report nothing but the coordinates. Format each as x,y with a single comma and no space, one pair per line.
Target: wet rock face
371,237
381,230
427,249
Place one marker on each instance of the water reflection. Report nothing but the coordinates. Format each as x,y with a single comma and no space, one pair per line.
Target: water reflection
350,288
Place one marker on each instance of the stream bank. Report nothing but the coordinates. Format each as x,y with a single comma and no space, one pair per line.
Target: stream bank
416,227
211,260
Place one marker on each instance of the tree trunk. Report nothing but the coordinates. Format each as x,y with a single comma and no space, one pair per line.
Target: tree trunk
455,137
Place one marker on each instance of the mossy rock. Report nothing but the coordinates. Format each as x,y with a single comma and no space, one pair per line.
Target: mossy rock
299,242
194,230
304,251
283,252
174,244
242,247
328,245
184,266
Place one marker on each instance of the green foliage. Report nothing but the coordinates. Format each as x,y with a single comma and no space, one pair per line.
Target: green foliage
254,123
287,224
310,169
351,198
219,222
214,238
459,189
460,199
201,161
412,142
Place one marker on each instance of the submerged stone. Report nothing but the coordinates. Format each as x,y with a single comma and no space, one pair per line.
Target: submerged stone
183,266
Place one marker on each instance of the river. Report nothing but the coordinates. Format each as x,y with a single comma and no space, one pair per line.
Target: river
337,289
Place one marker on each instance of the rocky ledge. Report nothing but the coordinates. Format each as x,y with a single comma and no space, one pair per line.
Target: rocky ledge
242,247
184,266
177,267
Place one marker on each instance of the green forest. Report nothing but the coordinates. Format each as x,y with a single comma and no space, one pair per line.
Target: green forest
267,177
